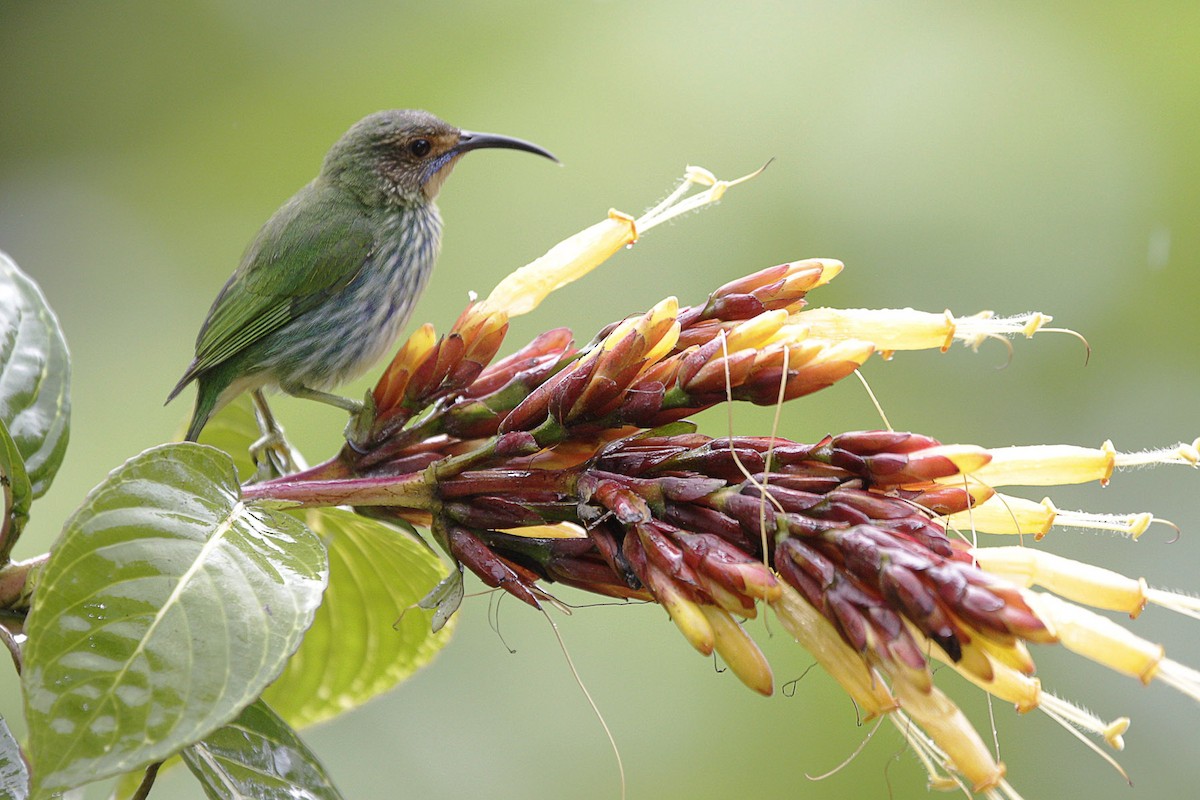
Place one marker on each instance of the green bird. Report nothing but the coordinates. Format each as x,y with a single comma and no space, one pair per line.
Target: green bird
325,288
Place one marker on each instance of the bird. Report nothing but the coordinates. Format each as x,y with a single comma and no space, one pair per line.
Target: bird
325,288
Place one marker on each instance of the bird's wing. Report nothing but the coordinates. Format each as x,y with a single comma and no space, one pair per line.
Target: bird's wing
312,248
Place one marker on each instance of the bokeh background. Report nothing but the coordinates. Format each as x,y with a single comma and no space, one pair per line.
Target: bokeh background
1011,156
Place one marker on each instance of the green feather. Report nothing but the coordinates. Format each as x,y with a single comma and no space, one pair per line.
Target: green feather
312,248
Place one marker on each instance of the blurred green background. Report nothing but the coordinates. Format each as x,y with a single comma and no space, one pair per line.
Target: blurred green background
1013,156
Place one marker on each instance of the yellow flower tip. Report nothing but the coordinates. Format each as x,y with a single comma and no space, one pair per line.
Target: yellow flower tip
479,319
665,344
759,583
621,218
691,621
411,355
967,459
739,651
789,334
1112,733
1191,452
1014,654
561,530
830,269
618,334
756,331
645,339
1036,321
854,351
733,603
699,176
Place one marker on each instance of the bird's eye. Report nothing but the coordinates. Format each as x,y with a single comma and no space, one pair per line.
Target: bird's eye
419,147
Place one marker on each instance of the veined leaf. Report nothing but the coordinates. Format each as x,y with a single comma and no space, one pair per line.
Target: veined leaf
258,756
166,607
14,777
35,376
355,649
368,635
17,493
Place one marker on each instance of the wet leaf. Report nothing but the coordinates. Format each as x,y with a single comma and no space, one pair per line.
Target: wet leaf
35,377
368,635
166,607
17,493
258,756
14,777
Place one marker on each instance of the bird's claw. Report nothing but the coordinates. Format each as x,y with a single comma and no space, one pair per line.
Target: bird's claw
273,456
362,422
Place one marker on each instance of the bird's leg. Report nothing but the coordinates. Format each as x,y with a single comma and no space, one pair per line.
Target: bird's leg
362,412
344,403
271,452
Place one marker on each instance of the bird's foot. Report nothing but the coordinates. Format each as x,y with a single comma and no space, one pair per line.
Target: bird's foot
273,456
362,421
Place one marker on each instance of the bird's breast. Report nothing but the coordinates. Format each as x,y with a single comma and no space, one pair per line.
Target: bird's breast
359,324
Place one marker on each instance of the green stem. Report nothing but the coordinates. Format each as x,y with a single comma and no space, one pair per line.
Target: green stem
17,582
143,790
407,491
14,649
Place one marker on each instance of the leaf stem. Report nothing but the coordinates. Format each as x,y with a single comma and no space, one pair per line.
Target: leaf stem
15,588
14,647
143,790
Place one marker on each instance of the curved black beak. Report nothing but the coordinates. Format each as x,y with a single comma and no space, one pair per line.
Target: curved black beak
470,140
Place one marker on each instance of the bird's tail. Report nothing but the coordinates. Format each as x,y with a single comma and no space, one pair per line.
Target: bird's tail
205,406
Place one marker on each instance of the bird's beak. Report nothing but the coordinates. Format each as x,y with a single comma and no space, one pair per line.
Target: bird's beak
439,169
469,140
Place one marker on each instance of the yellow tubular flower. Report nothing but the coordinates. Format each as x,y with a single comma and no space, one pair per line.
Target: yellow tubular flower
945,723
1083,583
740,652
818,637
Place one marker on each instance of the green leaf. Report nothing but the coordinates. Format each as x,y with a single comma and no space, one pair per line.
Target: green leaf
14,777
165,609
17,492
35,376
354,650
367,636
258,756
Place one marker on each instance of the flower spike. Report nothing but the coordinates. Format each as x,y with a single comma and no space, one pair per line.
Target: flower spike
578,465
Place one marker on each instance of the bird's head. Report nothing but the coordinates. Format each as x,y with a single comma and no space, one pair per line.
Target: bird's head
407,154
